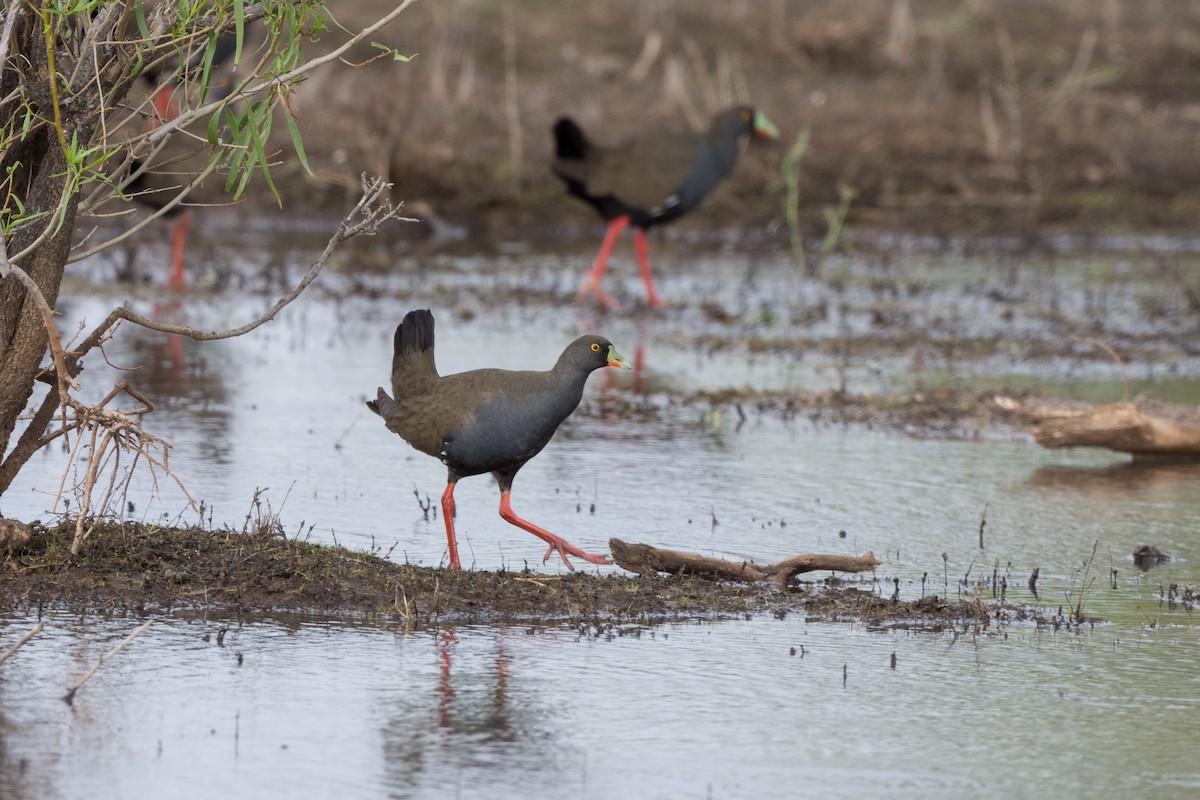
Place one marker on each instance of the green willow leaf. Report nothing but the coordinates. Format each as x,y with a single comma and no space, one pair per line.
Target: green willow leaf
294,130
140,13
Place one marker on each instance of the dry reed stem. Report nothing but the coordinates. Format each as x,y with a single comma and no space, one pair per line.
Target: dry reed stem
512,109
69,697
36,630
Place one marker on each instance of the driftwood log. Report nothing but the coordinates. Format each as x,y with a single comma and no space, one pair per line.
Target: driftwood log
1144,427
647,560
14,535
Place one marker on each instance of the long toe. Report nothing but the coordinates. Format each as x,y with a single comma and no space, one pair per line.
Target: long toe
563,547
558,548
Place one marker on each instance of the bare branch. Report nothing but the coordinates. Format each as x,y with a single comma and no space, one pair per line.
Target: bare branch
373,212
70,695
174,203
187,117
36,630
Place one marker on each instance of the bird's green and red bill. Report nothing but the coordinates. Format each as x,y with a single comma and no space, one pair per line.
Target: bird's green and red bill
615,359
763,127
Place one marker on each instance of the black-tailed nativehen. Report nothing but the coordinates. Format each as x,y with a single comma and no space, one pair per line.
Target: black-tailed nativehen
485,420
649,180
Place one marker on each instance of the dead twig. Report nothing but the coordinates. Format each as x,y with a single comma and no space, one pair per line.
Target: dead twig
371,212
69,697
36,630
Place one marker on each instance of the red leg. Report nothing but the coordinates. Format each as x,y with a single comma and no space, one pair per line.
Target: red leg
591,284
164,106
179,232
643,257
446,644
557,543
448,516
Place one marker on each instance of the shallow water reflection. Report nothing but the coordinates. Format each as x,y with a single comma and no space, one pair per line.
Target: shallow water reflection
313,708
310,708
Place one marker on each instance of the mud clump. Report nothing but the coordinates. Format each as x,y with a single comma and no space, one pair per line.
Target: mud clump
142,569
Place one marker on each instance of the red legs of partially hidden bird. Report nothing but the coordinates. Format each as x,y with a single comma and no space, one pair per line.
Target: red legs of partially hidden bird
164,105
166,109
591,284
643,256
448,516
179,232
557,543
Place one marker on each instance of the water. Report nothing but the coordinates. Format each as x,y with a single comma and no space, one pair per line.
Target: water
309,707
316,708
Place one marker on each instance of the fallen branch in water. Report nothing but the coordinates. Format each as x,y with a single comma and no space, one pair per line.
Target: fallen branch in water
1144,427
69,697
647,560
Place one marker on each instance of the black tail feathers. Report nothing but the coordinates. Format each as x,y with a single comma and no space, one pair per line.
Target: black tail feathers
415,333
569,141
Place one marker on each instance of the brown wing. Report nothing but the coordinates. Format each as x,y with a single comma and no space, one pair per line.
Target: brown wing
643,173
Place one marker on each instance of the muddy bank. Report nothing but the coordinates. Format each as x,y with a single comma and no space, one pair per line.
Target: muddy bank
132,567
933,413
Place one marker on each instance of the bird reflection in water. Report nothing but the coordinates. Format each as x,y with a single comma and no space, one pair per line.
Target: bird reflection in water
494,722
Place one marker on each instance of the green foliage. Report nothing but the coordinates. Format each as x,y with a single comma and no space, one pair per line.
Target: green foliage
393,52
12,213
789,182
82,116
835,216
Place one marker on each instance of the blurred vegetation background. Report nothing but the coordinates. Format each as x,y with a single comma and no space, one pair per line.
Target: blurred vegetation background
949,117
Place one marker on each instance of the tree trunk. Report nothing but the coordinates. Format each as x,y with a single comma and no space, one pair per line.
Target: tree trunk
39,176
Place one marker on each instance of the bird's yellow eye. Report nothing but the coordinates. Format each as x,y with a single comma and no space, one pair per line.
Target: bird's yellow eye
746,114
595,347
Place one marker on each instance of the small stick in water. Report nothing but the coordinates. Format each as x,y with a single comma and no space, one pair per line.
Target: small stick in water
69,697
36,630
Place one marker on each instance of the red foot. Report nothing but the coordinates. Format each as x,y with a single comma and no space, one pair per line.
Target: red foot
557,543
591,285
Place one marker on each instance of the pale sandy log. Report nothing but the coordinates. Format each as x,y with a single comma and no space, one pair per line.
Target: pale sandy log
645,559
14,535
1146,427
